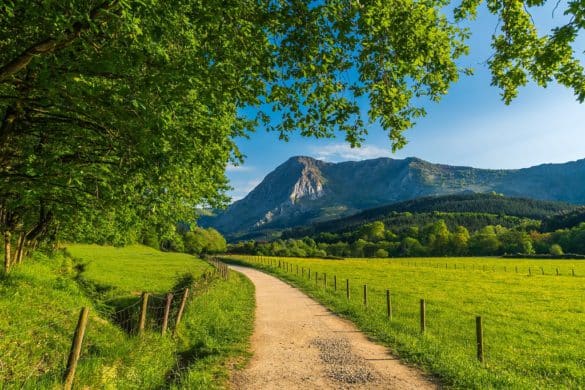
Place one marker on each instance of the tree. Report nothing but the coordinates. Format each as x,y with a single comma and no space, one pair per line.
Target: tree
195,241
412,247
133,106
215,241
339,249
514,241
521,53
459,241
438,238
201,240
485,242
373,231
357,248
556,250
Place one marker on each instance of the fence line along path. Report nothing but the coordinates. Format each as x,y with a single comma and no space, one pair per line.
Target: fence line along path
299,344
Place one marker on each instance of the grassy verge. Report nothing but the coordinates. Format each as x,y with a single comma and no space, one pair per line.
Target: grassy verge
40,302
532,322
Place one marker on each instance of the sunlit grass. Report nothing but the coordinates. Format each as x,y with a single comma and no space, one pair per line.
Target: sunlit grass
40,302
533,323
135,268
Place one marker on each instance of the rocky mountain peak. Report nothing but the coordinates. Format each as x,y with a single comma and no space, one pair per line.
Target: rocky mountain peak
310,182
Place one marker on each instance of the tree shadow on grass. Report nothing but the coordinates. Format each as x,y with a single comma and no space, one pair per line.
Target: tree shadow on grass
184,360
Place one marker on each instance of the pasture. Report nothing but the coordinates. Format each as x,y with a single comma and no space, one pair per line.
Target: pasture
40,303
533,319
134,268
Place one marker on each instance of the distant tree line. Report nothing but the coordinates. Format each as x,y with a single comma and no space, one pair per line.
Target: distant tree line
182,238
433,239
403,221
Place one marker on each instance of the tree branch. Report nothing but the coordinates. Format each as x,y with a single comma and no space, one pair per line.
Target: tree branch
50,45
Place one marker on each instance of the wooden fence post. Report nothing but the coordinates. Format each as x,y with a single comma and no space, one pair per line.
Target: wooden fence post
335,282
479,336
325,281
143,308
75,348
347,288
166,314
316,277
388,305
423,324
365,295
181,309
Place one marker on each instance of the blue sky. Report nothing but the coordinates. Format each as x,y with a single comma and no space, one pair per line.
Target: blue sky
471,126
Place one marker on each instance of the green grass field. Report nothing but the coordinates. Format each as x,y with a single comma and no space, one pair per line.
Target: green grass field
533,323
40,303
133,269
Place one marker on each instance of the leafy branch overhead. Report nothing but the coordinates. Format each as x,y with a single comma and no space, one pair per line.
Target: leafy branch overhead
133,105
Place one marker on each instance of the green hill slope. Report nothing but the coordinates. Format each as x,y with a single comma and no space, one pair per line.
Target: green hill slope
40,303
473,211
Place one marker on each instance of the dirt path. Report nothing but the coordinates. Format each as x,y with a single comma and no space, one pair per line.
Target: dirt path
299,344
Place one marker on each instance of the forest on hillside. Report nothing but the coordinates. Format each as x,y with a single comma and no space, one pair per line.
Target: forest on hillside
434,239
453,225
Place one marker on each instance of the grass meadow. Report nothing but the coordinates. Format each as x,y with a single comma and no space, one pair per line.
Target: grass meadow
40,303
534,323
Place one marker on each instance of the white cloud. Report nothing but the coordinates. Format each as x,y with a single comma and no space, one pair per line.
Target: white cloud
241,189
238,168
343,152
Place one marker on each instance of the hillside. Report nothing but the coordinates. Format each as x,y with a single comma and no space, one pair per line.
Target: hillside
304,190
564,220
40,303
470,210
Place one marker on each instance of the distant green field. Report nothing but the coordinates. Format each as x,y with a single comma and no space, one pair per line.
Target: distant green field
533,323
40,302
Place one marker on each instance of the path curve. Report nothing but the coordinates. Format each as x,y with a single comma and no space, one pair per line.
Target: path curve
299,344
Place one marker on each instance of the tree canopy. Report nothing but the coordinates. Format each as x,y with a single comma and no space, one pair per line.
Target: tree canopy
131,107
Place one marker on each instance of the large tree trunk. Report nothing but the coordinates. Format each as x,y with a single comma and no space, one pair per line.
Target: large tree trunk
7,257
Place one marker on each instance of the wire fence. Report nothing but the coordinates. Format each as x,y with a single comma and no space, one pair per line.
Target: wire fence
380,303
438,263
147,314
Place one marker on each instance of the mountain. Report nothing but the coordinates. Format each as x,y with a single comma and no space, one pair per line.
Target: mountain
305,190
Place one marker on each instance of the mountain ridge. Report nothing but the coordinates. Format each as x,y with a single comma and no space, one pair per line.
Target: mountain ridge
303,189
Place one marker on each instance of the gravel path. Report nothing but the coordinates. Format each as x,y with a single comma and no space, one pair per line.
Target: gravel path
299,344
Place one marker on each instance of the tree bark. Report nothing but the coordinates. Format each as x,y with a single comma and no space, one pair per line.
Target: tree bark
7,257
20,253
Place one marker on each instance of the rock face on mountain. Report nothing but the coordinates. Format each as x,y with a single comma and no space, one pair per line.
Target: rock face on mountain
304,190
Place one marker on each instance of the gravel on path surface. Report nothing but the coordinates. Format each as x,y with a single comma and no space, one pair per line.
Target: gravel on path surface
299,344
